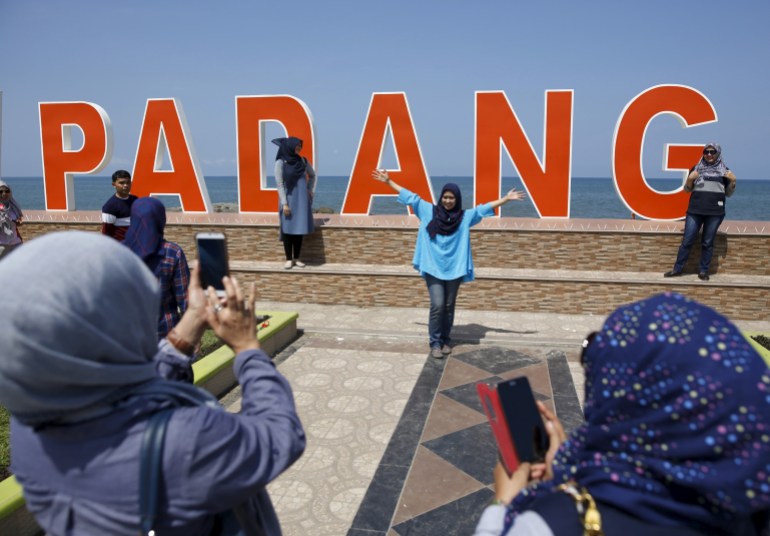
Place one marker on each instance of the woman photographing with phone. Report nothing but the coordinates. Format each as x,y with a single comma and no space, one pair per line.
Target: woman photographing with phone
442,254
84,377
676,439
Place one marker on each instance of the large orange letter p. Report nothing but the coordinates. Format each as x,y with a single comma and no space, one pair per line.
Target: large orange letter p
60,161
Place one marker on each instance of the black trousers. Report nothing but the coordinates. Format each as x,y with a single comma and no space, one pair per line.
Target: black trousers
292,244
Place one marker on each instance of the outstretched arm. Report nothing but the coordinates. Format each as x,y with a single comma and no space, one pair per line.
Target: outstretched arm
382,176
512,195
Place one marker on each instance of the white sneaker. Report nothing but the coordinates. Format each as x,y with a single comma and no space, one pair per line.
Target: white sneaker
287,265
299,264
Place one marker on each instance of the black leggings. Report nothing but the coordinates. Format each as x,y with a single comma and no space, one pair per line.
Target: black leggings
292,242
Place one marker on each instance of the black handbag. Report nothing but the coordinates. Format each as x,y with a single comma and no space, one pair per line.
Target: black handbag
235,522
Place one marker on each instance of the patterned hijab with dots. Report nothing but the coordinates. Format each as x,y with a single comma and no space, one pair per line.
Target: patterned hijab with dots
677,409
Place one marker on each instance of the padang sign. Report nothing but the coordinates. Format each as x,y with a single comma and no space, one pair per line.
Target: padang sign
497,127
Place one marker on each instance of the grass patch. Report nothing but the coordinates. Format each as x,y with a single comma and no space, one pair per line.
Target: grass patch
5,439
209,343
762,340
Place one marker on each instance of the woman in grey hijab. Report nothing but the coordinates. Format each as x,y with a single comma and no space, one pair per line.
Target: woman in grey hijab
81,372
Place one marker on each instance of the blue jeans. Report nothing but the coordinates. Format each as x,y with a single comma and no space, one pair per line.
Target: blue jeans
692,224
443,295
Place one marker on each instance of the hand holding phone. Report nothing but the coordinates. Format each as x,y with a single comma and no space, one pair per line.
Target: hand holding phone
212,260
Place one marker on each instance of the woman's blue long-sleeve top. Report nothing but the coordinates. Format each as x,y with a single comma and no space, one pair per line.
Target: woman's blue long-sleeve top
84,478
446,257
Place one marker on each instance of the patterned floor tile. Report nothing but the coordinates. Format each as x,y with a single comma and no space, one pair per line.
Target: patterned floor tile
468,395
458,372
472,450
496,359
351,401
432,483
447,416
457,518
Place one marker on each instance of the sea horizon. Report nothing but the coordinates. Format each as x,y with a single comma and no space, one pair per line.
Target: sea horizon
590,197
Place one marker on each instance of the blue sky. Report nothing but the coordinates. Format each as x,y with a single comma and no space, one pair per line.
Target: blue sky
333,55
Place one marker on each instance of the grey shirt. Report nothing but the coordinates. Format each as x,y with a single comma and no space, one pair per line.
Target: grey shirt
311,180
84,478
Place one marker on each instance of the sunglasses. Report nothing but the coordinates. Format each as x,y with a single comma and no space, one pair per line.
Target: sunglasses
584,346
709,151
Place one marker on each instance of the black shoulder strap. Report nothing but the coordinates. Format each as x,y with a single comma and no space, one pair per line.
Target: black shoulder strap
150,470
150,465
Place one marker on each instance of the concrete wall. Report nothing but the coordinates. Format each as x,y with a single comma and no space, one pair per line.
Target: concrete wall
524,264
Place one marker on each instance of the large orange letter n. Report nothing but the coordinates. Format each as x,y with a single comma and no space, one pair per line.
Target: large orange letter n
60,161
497,125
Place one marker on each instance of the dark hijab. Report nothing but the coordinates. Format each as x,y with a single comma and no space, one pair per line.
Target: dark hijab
294,165
145,234
446,222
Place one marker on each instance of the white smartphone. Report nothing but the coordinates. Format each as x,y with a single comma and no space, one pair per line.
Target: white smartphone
213,260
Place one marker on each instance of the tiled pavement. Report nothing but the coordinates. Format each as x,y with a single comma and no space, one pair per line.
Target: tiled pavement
397,442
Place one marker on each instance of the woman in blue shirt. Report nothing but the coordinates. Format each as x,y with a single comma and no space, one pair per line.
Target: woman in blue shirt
443,251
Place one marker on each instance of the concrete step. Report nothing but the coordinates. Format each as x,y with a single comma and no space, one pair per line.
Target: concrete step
504,289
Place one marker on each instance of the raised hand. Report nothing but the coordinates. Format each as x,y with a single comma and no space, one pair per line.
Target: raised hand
556,437
232,318
515,195
380,175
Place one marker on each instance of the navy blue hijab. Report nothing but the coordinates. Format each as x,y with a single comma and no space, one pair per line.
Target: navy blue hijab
446,222
294,165
145,234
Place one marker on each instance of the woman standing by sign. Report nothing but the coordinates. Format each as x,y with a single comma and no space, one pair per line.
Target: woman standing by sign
295,179
443,251
710,182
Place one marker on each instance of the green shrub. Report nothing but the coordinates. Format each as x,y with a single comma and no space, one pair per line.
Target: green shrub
5,448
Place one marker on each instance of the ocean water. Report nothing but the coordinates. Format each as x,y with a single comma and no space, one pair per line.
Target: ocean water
590,197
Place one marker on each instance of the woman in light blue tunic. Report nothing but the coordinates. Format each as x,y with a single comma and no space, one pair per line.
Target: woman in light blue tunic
295,180
443,251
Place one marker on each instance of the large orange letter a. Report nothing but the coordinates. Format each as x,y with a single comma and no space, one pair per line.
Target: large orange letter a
386,110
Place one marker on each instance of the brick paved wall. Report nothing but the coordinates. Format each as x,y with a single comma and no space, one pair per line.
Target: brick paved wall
611,251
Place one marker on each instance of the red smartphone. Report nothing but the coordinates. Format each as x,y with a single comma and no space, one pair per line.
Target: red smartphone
490,401
525,424
515,421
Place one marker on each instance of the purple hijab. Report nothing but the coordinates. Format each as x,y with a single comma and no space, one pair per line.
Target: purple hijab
446,222
145,234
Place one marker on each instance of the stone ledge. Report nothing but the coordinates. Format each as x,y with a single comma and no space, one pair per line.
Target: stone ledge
576,276
729,227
